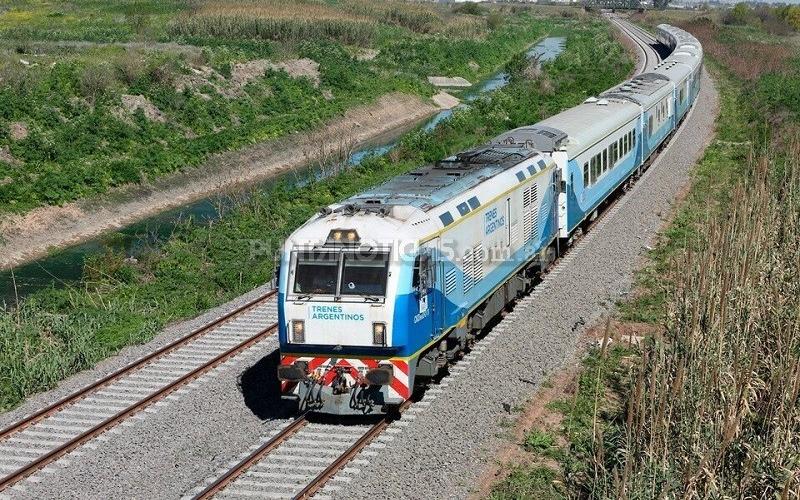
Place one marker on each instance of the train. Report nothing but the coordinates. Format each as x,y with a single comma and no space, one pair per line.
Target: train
380,293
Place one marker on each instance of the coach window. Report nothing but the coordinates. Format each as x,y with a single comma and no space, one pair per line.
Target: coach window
605,160
650,125
599,163
586,174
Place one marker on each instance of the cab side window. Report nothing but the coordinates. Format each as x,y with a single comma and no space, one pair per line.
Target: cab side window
422,277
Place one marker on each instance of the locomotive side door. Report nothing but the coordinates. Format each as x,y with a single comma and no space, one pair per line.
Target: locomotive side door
428,289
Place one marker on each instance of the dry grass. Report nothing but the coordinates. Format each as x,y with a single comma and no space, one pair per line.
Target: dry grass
746,59
350,21
279,9
714,407
275,20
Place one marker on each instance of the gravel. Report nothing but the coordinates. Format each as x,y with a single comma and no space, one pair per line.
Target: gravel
174,445
124,357
442,445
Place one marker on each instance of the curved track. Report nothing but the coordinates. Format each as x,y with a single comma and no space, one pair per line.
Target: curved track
43,437
644,42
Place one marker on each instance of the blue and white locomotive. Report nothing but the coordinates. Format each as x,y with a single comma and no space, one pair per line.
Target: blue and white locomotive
386,288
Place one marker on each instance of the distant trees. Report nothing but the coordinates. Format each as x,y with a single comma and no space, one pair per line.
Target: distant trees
790,14
776,20
739,14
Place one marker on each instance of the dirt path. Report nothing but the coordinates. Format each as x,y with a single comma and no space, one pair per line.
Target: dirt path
32,235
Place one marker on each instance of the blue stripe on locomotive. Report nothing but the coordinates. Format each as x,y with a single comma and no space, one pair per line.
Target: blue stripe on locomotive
410,337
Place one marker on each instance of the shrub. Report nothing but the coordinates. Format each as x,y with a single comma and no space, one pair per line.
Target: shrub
131,67
95,80
494,20
739,14
471,8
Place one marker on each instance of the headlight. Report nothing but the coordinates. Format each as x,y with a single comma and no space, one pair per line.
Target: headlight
379,333
298,331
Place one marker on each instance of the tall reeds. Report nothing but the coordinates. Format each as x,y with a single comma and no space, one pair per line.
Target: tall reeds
354,22
713,407
276,20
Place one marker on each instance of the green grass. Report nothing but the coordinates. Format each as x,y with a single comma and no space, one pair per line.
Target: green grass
539,441
529,483
87,20
81,144
55,333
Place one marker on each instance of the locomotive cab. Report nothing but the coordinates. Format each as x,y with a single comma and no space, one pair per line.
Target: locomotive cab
338,291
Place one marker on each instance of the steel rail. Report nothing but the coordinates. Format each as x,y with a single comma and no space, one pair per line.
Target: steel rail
645,36
282,437
263,450
338,464
643,47
649,52
121,416
126,370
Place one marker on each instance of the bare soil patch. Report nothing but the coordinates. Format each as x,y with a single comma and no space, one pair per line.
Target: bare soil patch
448,81
367,54
133,103
18,131
244,73
29,236
562,385
6,156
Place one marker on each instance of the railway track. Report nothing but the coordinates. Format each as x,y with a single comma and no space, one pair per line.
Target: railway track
48,434
651,58
297,461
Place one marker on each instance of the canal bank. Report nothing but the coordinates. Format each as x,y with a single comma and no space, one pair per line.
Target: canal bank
152,213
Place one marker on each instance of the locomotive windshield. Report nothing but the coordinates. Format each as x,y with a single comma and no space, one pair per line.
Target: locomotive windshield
319,272
364,274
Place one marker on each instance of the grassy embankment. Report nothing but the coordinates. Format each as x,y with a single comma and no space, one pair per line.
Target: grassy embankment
55,333
67,132
708,404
